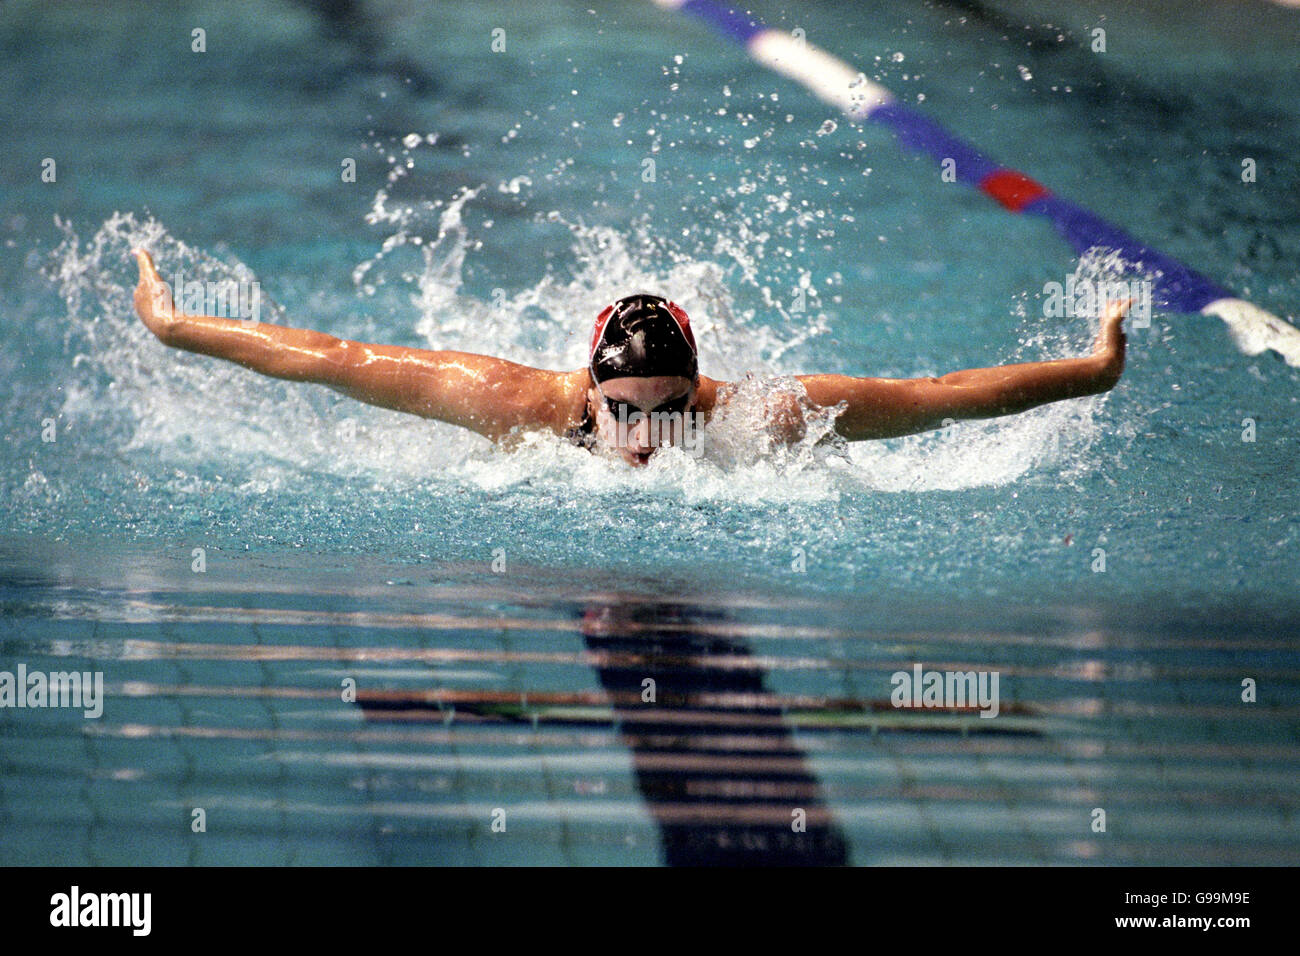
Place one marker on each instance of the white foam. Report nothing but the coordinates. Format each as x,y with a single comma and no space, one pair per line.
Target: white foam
1255,330
192,409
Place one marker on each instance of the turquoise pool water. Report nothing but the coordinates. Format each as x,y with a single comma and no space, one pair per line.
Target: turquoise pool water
499,611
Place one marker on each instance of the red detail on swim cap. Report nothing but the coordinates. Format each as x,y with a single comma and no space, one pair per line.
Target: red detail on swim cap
676,311
683,323
601,321
1013,190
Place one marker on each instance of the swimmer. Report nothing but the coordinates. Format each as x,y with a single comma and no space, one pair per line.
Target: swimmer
642,373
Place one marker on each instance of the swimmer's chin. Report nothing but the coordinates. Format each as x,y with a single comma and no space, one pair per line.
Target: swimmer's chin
635,459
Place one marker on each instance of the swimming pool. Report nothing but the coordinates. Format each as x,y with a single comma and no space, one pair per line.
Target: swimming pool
1123,563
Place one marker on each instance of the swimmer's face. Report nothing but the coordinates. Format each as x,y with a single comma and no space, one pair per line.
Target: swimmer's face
635,415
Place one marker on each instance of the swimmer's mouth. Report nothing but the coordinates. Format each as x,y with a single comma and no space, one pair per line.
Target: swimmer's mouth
641,458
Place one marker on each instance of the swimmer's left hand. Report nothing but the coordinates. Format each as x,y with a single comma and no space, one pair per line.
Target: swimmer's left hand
153,298
1108,349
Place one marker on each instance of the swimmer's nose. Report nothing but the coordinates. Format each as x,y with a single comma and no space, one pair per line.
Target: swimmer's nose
638,439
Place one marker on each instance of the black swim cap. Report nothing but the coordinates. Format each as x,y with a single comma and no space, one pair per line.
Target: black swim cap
643,335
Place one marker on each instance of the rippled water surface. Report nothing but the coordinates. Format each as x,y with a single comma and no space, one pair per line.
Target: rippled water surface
525,695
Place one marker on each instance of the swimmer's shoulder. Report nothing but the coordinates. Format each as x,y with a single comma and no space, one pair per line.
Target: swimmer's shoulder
568,408
519,399
708,394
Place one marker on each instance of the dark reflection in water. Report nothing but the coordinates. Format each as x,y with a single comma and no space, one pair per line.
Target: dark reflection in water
718,767
712,752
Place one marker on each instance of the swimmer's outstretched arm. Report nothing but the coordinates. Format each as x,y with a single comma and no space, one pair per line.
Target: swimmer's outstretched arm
488,395
889,407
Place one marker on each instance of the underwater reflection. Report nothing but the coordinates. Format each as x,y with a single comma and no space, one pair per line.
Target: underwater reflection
718,767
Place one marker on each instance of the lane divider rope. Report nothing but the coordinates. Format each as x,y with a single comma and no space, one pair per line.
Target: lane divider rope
1175,286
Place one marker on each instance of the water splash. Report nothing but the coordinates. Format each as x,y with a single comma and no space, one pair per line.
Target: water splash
219,425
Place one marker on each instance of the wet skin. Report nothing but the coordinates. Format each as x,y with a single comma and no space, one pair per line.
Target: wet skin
500,399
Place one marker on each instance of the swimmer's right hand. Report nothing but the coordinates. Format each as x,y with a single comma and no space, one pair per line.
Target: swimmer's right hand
153,298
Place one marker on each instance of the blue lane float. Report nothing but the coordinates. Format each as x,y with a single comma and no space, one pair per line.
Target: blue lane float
1175,286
